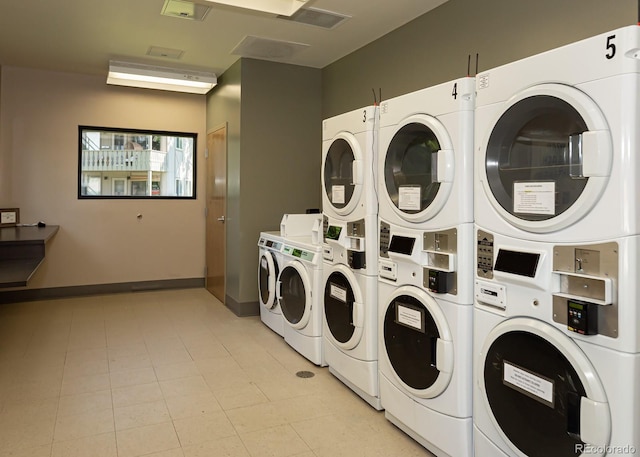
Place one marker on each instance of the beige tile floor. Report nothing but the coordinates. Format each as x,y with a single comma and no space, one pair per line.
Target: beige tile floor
171,374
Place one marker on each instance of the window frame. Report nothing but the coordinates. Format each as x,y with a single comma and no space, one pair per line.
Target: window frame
131,132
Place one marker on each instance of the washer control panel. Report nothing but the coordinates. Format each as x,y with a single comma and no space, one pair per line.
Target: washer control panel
484,255
385,239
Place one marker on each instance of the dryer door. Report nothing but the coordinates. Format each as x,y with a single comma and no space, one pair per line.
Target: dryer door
547,158
294,294
343,308
267,276
418,342
541,391
419,168
342,173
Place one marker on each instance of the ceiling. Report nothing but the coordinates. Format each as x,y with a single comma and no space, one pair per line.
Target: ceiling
81,36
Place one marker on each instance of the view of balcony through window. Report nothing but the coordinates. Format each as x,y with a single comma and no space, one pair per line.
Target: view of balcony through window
135,164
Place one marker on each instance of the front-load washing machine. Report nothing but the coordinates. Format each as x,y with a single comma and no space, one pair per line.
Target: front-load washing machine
350,332
349,150
269,265
556,348
425,163
299,292
425,343
556,138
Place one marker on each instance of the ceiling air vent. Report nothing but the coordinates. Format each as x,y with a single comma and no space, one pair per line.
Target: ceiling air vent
184,10
168,53
266,48
317,17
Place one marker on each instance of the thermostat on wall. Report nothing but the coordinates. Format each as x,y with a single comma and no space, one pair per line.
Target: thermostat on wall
9,217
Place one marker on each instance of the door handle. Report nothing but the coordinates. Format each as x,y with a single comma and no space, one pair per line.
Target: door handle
221,219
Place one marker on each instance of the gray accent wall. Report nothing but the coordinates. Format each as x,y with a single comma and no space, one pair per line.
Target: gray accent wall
434,48
273,113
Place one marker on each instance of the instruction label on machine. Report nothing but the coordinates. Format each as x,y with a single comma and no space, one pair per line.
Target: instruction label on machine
534,197
337,195
338,293
410,317
529,384
409,198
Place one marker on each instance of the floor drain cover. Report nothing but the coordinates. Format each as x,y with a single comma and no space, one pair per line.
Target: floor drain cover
305,374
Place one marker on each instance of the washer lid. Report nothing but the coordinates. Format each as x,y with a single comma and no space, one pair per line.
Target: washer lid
419,168
267,276
547,158
294,294
418,342
542,392
343,308
343,173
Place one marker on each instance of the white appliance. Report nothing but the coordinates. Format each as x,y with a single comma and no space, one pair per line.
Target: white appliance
556,348
270,262
425,177
349,150
352,242
270,246
556,138
350,330
299,291
425,342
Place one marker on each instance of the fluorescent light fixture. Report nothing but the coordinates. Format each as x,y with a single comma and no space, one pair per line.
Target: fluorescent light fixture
283,7
162,78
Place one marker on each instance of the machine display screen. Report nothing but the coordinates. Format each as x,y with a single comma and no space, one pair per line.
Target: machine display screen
333,232
401,244
517,263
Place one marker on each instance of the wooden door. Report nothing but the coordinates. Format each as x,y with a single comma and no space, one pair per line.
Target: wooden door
216,211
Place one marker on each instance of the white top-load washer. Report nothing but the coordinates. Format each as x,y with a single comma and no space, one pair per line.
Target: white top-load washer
425,164
299,291
349,151
556,138
270,262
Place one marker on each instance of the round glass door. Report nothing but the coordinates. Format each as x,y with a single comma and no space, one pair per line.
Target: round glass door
547,158
417,342
533,159
410,168
341,187
537,424
540,390
294,296
338,307
343,308
267,274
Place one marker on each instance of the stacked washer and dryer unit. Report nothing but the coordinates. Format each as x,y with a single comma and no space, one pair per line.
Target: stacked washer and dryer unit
556,316
426,253
350,227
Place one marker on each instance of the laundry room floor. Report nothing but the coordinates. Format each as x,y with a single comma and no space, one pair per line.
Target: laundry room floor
171,374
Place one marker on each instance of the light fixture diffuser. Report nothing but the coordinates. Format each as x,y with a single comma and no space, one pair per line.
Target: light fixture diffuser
282,7
161,78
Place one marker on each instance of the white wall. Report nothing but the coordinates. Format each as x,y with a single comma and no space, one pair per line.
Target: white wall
99,242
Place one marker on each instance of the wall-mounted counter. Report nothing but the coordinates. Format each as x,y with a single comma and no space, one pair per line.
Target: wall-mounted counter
22,252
